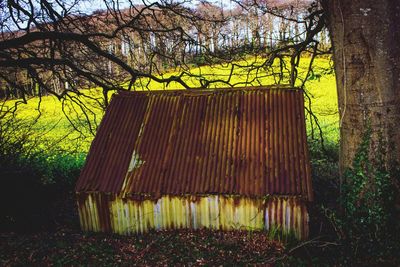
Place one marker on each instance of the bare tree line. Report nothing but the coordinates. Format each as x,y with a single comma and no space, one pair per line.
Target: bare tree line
50,47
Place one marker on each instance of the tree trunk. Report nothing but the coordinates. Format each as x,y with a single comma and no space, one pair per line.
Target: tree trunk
366,41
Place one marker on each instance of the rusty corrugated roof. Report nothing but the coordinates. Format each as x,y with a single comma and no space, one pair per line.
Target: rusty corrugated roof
248,141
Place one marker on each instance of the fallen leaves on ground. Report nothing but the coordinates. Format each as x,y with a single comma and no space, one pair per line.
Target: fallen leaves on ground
173,247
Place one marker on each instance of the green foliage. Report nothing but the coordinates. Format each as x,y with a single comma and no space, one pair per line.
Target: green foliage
24,147
367,227
325,175
199,60
355,224
276,232
57,168
33,180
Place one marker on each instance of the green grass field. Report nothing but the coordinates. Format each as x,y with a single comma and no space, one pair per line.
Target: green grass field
56,131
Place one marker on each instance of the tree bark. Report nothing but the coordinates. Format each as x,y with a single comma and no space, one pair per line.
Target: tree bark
366,41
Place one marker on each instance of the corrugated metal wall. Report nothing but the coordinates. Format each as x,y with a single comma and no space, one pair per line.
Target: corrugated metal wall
107,213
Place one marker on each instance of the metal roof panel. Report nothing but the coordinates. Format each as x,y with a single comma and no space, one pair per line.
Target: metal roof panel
246,141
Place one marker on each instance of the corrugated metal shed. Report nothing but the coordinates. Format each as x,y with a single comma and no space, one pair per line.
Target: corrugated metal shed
248,142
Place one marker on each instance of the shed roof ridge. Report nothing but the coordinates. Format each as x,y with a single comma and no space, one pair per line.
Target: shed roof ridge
200,91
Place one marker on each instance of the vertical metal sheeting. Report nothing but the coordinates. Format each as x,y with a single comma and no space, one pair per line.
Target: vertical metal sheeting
288,215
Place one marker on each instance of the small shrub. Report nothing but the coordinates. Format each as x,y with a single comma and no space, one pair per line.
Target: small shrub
366,222
325,181
34,182
369,228
199,60
357,225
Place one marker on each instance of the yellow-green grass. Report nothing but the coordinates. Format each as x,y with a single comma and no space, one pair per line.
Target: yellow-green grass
85,112
51,120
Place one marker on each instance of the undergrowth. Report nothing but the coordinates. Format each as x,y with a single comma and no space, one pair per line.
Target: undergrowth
368,227
356,223
35,182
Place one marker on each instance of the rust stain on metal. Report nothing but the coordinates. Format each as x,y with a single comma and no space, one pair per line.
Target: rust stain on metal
238,141
246,142
106,213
